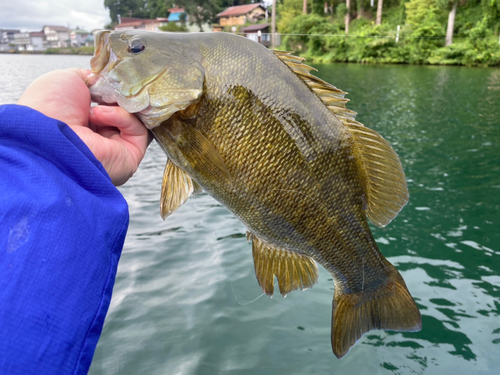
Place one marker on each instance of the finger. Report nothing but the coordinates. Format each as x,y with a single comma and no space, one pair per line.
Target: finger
130,132
60,94
128,124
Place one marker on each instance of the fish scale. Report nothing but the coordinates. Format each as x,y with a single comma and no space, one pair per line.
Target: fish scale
277,146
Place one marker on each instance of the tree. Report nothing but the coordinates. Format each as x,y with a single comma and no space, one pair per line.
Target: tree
347,15
361,9
451,23
454,4
379,12
273,25
126,8
159,8
304,7
288,11
200,11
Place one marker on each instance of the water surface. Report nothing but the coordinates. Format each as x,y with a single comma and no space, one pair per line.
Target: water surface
186,300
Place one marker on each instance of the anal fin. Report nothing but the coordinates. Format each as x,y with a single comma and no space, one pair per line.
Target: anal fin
176,188
293,270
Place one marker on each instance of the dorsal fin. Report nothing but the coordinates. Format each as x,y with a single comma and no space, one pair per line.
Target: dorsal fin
331,96
384,181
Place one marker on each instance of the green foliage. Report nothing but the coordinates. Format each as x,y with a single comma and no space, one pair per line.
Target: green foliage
70,51
201,11
127,8
287,11
341,10
481,48
304,27
173,27
321,37
424,33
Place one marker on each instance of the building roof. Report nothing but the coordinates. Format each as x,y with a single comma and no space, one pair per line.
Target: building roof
174,17
251,28
239,10
130,19
10,31
37,33
136,23
57,28
176,10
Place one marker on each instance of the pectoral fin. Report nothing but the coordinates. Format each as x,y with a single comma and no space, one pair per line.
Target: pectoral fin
199,154
177,187
293,270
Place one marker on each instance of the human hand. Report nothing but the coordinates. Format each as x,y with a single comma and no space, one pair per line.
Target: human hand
116,138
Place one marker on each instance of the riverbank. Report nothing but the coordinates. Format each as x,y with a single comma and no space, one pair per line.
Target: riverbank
320,41
56,51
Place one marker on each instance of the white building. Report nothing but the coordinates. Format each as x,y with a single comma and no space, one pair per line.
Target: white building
38,41
78,37
7,39
57,36
22,42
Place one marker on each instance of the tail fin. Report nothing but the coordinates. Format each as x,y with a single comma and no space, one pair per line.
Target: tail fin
390,307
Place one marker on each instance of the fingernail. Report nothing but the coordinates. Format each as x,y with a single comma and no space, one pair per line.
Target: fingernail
106,109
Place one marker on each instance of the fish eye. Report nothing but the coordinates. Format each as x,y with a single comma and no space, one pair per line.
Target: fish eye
136,46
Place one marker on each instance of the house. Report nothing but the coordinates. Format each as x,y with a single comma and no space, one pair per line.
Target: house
259,33
179,16
22,42
38,42
7,38
176,15
242,14
126,23
78,37
56,36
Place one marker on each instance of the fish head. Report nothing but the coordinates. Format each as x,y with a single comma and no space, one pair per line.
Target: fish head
151,74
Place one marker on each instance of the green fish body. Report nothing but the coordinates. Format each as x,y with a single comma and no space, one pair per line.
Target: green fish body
278,148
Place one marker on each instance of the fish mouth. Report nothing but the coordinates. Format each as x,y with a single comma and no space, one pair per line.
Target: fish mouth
106,87
102,52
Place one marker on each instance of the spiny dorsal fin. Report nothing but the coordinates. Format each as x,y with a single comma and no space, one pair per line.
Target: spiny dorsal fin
384,182
176,188
293,270
329,94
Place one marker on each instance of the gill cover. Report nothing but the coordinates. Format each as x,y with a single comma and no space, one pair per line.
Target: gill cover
154,74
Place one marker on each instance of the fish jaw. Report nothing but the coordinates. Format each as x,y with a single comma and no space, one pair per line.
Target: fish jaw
154,85
100,90
105,87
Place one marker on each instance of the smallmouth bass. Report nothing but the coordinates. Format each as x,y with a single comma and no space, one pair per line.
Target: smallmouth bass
277,146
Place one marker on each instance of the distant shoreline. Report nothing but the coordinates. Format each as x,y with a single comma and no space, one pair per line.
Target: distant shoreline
89,51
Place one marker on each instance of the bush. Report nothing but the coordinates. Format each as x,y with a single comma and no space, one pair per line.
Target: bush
480,48
173,27
422,38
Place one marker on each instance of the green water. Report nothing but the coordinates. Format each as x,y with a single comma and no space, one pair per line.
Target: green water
186,300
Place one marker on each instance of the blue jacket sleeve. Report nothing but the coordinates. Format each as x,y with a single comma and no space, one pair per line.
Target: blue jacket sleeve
62,228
